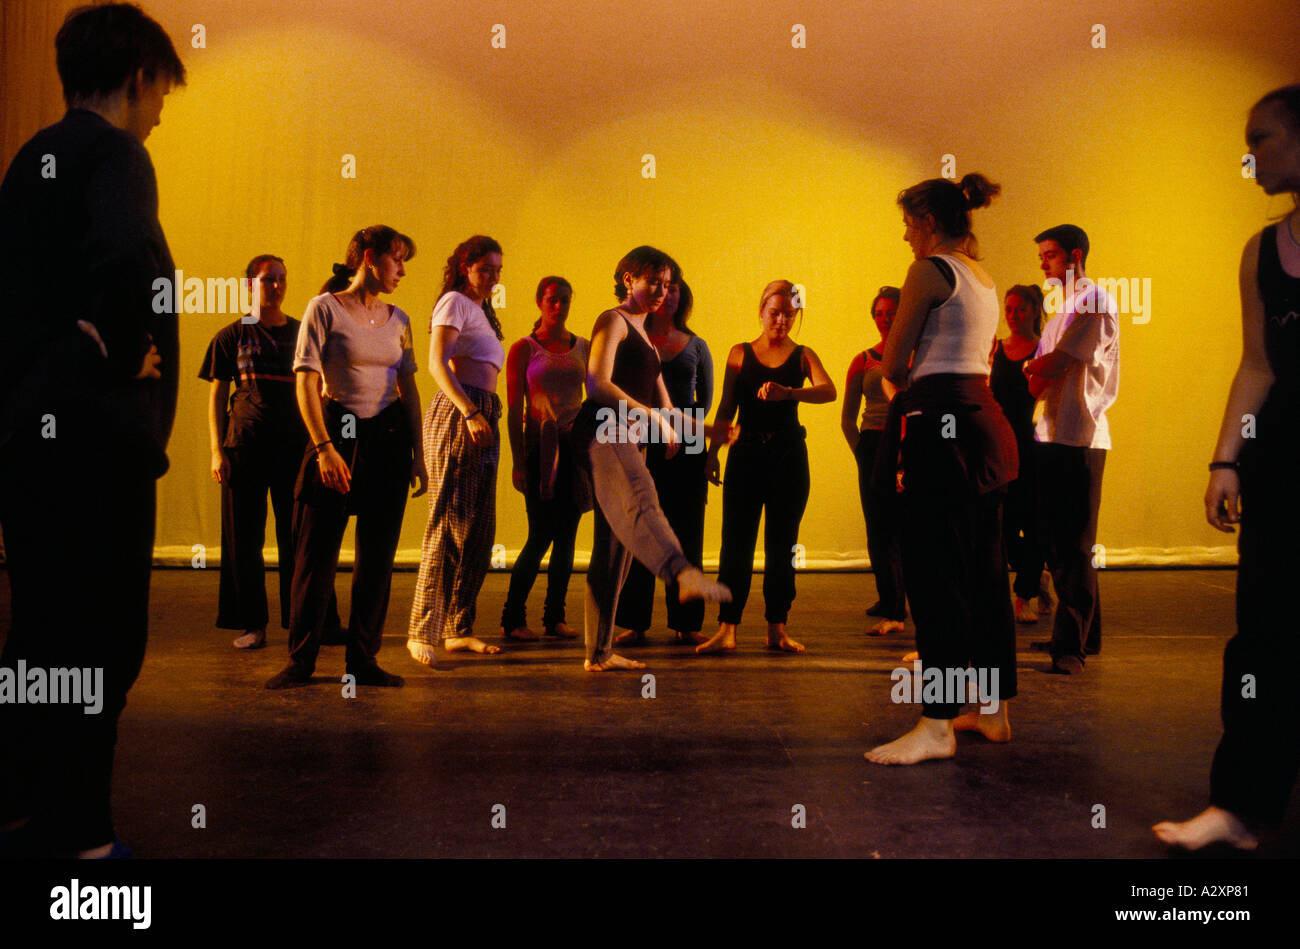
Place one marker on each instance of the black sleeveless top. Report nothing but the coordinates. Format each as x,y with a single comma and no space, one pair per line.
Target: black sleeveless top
1011,389
1273,454
760,419
636,367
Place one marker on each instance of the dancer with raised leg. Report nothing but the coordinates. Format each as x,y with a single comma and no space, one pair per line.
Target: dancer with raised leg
627,404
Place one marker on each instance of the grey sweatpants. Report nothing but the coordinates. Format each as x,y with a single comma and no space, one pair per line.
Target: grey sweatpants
629,523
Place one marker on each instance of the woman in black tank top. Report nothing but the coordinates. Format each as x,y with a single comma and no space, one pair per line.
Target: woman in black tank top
1255,482
767,467
627,405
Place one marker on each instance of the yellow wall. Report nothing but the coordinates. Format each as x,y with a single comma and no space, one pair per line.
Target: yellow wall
771,161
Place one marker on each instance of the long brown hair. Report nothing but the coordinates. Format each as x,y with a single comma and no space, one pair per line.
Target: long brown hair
469,252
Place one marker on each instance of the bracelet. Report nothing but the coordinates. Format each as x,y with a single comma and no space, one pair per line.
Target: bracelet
328,441
472,414
1223,465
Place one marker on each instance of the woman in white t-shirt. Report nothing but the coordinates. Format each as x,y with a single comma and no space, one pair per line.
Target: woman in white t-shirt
462,450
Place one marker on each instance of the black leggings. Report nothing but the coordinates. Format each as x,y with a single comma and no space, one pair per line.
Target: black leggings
771,475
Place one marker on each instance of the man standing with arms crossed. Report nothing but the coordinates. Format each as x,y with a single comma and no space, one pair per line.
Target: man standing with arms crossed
1075,373
88,379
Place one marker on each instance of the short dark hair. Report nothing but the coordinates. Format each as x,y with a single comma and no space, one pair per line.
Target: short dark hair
885,293
1069,236
1289,98
99,48
255,264
636,262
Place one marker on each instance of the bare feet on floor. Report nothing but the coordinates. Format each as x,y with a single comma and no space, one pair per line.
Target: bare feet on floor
253,639
562,631
690,639
885,627
521,633
994,727
931,738
614,662
692,584
724,640
472,643
630,637
777,639
421,652
1213,825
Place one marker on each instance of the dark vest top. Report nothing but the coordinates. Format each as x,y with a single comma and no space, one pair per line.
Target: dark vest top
1011,389
636,367
758,417
1273,455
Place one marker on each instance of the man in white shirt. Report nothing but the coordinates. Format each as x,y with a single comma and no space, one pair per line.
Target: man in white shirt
1075,373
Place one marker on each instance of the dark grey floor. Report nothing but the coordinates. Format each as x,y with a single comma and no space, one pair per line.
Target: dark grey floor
713,766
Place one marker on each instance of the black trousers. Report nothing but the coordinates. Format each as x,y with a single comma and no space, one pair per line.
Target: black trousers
379,456
769,476
256,469
1258,758
552,523
881,510
683,490
1069,496
78,530
1020,526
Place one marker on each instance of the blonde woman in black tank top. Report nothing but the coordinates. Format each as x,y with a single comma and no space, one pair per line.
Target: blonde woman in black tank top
767,468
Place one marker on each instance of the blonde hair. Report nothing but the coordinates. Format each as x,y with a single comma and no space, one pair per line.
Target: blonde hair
777,288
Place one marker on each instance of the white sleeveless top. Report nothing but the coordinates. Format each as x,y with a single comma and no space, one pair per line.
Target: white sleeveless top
958,333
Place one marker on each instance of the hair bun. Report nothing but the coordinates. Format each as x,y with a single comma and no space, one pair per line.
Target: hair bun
343,270
979,191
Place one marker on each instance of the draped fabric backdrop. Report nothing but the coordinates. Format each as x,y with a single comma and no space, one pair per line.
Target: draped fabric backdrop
778,139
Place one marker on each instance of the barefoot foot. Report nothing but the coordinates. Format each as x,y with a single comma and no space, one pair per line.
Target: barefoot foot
690,639
995,726
692,584
777,639
561,631
472,643
630,637
1213,825
614,662
724,640
885,627
253,639
522,633
931,738
422,653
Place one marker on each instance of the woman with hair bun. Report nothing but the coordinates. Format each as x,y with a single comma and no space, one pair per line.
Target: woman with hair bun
767,467
545,373
364,430
462,451
1023,306
958,454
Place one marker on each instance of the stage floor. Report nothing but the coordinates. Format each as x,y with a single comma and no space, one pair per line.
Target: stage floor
719,763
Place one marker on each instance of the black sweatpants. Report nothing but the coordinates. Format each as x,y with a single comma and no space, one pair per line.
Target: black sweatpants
1069,497
882,510
762,476
1258,758
78,529
683,490
379,457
